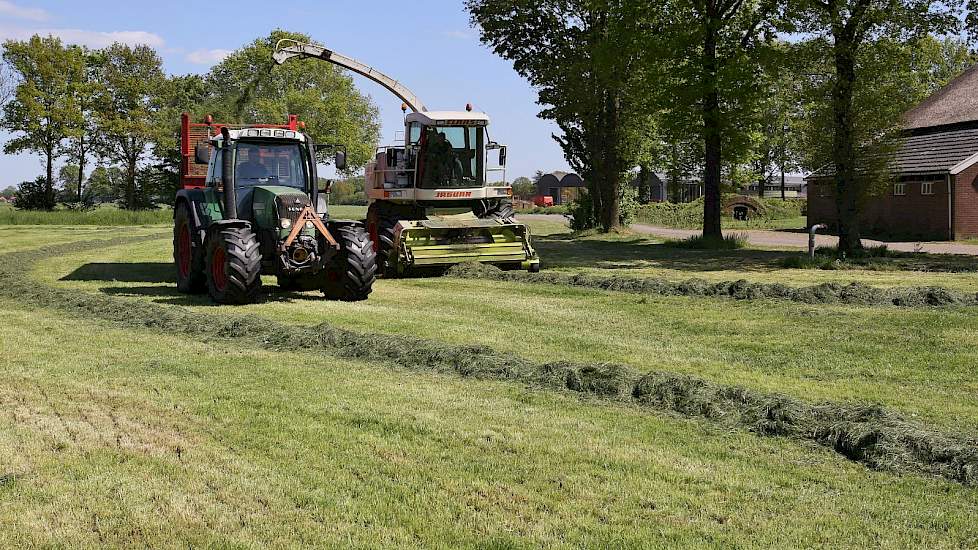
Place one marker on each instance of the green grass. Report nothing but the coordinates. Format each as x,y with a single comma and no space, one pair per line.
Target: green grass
134,437
102,215
131,437
642,256
836,353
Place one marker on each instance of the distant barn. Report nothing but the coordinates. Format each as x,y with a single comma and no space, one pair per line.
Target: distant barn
562,186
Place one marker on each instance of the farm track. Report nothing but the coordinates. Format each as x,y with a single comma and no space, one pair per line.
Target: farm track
867,434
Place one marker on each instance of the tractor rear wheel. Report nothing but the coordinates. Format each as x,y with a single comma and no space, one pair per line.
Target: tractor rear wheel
189,259
233,266
501,209
351,273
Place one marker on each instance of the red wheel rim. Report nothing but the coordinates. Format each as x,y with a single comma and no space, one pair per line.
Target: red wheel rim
184,251
217,270
374,236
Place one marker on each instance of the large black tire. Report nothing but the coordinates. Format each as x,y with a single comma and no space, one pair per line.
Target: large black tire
233,266
188,256
380,224
501,209
351,273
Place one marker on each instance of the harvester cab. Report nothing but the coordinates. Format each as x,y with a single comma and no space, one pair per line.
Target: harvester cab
440,197
251,205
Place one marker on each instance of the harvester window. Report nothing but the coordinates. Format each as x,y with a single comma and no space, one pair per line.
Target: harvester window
270,164
452,157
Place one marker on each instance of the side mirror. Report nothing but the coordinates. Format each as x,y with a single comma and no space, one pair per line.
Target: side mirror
325,185
502,155
340,160
202,153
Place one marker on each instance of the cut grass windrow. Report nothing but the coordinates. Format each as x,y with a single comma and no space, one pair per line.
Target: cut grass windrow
867,434
826,293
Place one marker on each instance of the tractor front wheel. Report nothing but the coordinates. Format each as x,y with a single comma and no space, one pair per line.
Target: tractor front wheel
233,266
188,258
351,273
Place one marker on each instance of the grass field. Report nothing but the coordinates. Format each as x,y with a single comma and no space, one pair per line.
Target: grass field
132,436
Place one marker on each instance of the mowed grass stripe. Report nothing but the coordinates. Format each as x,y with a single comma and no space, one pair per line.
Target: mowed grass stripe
826,293
870,435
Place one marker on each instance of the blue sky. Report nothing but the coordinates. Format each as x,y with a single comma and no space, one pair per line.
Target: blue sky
426,44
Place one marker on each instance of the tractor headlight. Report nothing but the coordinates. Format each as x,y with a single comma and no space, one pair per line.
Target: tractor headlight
285,223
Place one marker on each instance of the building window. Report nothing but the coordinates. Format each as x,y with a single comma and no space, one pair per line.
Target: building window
927,188
899,189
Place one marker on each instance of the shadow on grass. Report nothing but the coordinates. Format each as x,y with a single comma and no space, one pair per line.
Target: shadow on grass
168,294
124,272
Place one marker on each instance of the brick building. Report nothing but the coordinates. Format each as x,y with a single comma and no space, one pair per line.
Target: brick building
934,189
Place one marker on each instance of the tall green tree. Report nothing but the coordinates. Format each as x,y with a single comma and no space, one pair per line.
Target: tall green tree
248,87
716,47
42,112
584,59
85,137
857,34
131,81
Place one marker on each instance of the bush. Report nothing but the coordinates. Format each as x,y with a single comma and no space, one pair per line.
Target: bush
689,215
581,211
33,195
699,242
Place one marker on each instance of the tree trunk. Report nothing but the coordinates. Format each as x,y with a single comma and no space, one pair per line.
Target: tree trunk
49,182
608,172
131,185
761,184
847,188
81,165
782,184
711,134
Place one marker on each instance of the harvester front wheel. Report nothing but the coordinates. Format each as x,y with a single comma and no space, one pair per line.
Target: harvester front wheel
351,274
233,266
189,259
500,209
381,226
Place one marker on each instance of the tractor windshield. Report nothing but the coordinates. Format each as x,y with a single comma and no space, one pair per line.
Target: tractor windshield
269,164
451,156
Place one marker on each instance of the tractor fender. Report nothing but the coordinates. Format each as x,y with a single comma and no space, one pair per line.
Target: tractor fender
330,224
186,199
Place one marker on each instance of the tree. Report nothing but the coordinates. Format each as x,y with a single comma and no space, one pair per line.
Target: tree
776,147
583,57
716,46
248,87
523,188
85,136
105,184
42,112
9,192
131,82
863,132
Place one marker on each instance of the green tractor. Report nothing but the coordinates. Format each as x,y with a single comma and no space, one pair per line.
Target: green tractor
258,210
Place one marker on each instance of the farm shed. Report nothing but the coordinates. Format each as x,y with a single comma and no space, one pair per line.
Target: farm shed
933,193
562,186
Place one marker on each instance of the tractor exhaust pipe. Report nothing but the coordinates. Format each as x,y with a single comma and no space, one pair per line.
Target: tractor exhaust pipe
227,177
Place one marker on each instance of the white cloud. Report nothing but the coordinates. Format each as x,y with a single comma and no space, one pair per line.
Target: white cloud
207,57
20,12
461,35
92,39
